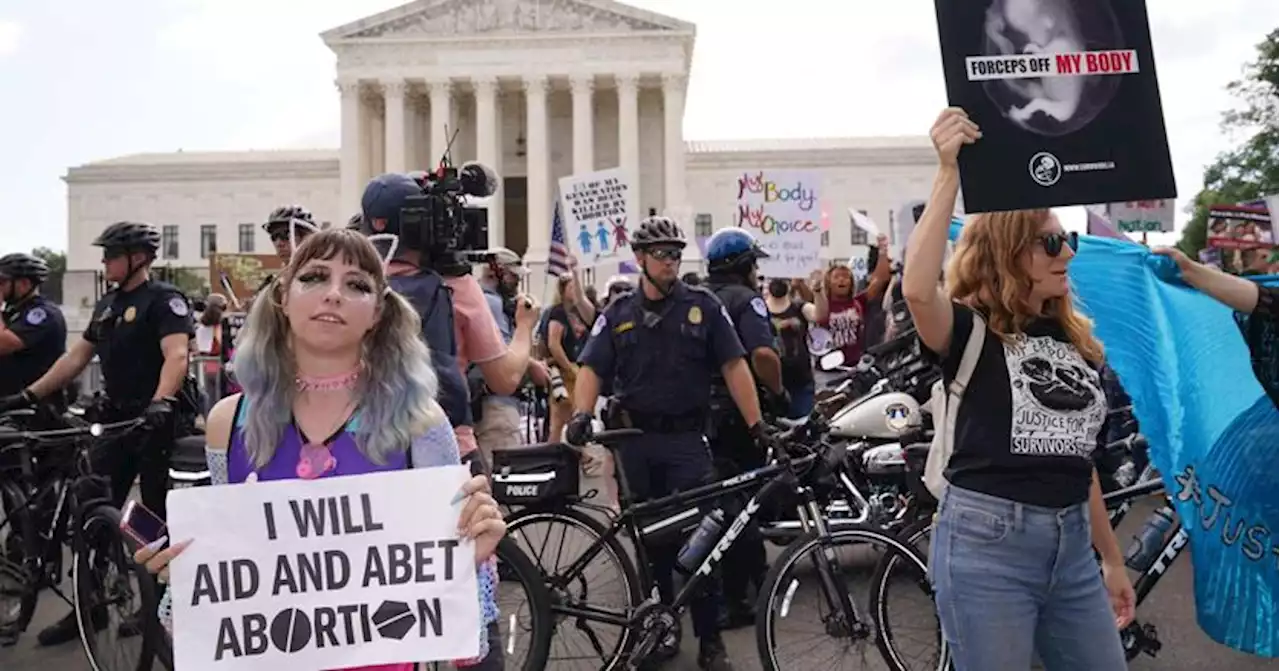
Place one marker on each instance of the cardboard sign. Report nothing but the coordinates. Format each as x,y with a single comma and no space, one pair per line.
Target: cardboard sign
782,209
1142,216
241,274
323,574
1066,96
598,216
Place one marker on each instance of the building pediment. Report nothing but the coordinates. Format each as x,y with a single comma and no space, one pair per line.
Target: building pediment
435,19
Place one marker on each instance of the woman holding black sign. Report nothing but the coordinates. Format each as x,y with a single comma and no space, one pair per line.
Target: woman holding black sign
337,382
1012,559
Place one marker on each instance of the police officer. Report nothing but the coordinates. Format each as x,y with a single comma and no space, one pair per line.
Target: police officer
661,345
289,225
33,333
732,257
140,331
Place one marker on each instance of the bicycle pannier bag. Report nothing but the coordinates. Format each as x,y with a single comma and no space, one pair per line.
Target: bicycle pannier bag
946,406
535,474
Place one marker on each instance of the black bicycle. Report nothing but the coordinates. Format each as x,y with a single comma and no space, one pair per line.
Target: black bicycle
51,497
1137,637
647,627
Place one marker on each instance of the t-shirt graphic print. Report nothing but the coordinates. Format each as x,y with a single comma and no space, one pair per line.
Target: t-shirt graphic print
1057,400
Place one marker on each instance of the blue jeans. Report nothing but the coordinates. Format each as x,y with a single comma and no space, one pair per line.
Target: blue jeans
1011,577
801,401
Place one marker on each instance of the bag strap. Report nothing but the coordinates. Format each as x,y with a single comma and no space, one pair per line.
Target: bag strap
969,359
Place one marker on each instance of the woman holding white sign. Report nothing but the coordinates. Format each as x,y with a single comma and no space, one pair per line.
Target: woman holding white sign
337,382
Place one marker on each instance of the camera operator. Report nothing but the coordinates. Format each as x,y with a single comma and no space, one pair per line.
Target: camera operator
497,416
428,270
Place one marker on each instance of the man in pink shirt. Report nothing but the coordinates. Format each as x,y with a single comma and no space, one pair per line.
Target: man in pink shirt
480,342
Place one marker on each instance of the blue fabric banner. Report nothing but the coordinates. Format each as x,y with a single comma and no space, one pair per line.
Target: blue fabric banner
1214,434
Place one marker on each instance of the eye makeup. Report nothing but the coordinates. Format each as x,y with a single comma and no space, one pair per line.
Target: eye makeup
353,286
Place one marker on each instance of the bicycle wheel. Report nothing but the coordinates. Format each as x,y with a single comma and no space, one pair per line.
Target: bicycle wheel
587,643
19,563
525,623
897,636
792,577
109,588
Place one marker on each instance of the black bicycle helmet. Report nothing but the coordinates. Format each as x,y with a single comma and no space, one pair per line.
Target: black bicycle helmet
130,235
658,231
18,265
289,214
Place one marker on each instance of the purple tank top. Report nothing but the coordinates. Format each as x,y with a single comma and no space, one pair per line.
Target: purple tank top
284,464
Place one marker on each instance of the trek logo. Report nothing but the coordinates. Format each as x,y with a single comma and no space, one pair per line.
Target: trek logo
522,490
1171,551
739,523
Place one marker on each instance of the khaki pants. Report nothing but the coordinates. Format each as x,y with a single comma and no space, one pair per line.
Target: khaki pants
498,428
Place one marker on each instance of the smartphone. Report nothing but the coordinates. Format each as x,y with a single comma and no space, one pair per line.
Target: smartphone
141,524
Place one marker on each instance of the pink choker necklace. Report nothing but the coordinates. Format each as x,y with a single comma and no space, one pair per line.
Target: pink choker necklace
328,382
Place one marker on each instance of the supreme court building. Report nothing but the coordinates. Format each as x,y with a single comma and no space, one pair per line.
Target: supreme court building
537,89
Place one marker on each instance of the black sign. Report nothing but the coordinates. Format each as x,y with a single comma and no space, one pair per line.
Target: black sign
1066,96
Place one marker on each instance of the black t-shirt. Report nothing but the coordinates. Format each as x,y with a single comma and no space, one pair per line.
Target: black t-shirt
1031,418
569,339
43,332
793,346
126,330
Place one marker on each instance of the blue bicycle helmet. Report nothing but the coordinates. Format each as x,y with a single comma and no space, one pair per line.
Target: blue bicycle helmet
731,248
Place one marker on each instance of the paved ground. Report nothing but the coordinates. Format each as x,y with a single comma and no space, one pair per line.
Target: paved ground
1170,608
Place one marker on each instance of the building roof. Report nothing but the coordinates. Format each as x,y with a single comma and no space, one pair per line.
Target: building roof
206,157
806,144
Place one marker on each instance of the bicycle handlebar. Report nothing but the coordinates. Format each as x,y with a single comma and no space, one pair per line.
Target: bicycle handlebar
95,430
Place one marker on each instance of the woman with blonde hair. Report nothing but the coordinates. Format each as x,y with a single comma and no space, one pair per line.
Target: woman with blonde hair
568,320
1012,559
337,382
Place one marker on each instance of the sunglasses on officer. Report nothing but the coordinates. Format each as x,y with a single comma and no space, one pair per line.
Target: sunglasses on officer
665,252
1054,242
110,253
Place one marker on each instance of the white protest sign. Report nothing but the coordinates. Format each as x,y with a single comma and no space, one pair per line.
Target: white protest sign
323,574
865,223
781,209
598,216
859,262
1142,216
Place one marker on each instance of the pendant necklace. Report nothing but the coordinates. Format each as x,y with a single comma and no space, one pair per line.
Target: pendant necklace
315,458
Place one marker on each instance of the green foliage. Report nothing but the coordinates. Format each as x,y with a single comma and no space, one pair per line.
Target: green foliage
1249,171
57,261
190,282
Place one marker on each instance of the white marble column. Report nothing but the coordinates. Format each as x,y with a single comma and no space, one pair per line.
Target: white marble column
673,149
584,132
395,94
538,166
486,93
350,166
629,137
441,114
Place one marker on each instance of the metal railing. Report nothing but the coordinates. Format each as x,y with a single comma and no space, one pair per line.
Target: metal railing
212,381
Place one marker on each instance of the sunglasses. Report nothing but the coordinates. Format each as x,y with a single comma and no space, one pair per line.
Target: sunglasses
109,254
279,235
666,253
1053,242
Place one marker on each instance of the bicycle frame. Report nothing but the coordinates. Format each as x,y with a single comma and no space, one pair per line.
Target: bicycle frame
778,474
1123,500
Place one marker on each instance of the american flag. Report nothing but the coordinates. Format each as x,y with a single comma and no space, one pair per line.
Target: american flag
558,254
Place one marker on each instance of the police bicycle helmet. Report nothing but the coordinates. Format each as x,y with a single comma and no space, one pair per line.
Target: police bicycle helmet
356,222
288,215
129,235
18,266
733,249
656,230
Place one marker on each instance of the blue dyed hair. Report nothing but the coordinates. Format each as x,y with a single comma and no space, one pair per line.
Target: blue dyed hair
397,390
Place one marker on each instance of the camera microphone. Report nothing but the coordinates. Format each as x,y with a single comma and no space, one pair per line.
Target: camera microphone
477,179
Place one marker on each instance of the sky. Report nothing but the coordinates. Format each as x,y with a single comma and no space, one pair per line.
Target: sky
85,81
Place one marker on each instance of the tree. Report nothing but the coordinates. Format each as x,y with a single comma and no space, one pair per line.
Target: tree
1248,172
57,261
190,282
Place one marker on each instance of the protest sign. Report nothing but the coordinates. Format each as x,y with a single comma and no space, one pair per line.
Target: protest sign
240,275
781,209
859,262
323,574
1066,96
1142,216
598,216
